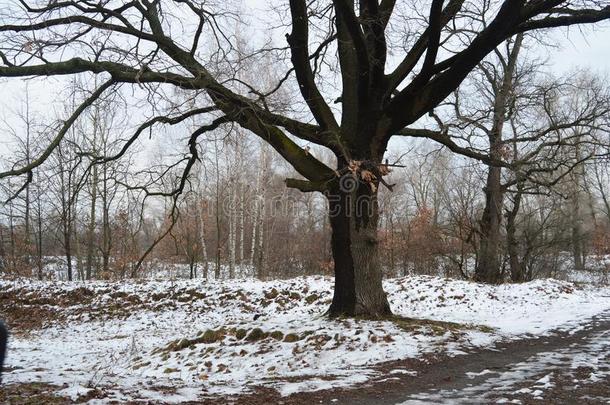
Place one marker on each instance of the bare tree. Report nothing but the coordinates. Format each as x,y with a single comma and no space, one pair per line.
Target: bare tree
537,125
130,43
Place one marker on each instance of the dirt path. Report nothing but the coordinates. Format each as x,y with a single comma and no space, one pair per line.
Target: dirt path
570,367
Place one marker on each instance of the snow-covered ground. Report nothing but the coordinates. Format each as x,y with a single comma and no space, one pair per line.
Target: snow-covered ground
183,340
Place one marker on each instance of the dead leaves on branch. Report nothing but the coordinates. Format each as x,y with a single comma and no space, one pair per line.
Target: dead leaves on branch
370,173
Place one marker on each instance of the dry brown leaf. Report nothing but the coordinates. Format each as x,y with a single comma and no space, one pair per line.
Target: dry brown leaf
367,176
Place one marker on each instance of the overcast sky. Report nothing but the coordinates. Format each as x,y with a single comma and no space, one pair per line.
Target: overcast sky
590,48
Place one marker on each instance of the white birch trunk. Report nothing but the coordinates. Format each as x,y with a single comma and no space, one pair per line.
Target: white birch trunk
231,230
241,224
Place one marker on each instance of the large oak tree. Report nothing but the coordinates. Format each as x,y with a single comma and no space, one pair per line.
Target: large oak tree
393,65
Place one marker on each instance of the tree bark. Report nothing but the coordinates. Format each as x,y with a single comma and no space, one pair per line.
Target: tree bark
204,250
91,227
264,176
217,213
354,218
577,238
232,234
92,215
192,269
488,267
576,217
242,203
371,300
39,233
517,267
106,235
344,298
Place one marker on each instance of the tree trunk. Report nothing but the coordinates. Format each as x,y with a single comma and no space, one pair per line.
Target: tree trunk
3,257
232,234
204,250
192,269
260,258
488,267
392,258
577,231
517,267
262,191
27,202
26,236
106,235
68,250
355,246
39,227
12,236
577,177
66,216
577,245
39,240
253,235
218,232
344,298
241,226
91,228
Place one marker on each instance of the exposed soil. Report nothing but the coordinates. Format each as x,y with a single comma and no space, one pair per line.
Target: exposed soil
25,310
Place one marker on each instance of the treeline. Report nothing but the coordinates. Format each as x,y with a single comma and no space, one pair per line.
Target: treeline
516,186
92,212
432,223
238,218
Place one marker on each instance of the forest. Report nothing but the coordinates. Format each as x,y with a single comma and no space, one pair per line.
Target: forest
81,219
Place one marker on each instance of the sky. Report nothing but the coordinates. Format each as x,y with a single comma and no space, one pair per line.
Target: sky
589,48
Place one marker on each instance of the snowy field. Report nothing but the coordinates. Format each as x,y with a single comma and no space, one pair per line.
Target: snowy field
186,340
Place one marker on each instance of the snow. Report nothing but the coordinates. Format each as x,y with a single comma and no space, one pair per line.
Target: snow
147,340
402,371
513,309
484,372
587,353
74,392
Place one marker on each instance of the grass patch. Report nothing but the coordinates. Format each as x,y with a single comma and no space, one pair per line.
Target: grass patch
291,338
241,333
437,327
277,335
256,334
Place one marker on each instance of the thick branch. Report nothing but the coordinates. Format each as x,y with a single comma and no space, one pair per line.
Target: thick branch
408,106
417,50
119,72
445,140
299,46
571,17
306,186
